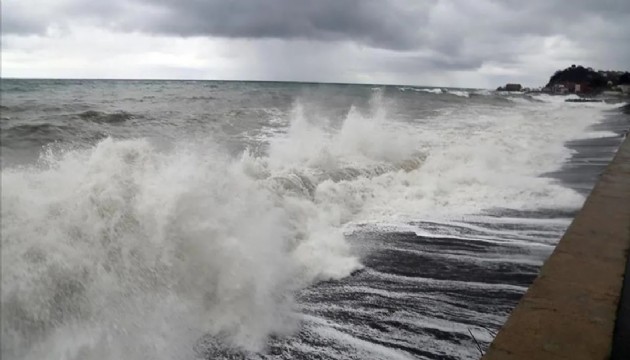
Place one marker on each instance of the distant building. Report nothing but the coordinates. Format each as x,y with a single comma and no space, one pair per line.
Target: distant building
559,89
569,87
513,87
581,88
624,88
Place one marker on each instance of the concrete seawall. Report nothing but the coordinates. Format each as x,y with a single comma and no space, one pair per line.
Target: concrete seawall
570,310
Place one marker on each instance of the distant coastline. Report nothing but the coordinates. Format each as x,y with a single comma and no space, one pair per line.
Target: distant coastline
582,81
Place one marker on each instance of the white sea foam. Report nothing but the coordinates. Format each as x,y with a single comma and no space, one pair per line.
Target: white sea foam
554,98
431,91
483,92
460,93
423,90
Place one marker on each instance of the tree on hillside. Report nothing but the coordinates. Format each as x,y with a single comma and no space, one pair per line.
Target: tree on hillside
579,75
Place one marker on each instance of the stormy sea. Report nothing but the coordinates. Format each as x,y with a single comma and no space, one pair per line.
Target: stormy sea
260,220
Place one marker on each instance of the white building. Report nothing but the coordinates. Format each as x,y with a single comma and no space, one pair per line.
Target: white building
625,88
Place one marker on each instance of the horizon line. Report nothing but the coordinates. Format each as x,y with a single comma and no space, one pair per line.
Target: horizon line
224,80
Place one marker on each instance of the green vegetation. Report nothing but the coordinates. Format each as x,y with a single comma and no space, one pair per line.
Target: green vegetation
588,79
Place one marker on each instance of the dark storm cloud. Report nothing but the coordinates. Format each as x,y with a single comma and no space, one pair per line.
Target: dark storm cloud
394,22
388,24
391,24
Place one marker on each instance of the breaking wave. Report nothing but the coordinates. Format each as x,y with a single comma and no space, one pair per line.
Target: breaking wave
121,241
460,93
439,91
127,251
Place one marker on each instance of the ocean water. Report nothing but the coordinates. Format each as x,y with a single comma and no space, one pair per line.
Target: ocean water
207,220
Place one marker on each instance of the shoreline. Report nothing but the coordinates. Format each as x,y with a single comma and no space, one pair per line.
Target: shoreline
570,311
591,156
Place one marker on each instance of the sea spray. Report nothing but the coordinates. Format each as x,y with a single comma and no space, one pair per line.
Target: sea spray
121,243
102,244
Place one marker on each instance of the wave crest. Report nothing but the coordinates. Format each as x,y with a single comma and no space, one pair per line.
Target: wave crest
103,117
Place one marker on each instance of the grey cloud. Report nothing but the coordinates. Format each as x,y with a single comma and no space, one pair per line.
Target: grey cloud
15,19
449,35
387,24
409,63
21,26
391,24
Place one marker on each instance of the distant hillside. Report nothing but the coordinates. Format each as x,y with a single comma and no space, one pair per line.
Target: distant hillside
580,75
588,78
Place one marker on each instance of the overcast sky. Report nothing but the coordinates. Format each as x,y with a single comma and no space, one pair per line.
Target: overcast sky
463,43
